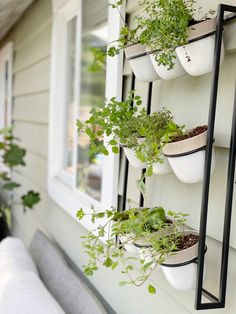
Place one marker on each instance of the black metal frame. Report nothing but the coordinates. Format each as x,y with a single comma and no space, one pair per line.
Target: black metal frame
215,302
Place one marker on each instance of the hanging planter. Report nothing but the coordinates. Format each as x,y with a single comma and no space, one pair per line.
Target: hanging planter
162,168
166,73
140,63
180,268
187,155
133,160
197,56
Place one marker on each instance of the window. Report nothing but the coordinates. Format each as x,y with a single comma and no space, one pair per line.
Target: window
6,85
77,179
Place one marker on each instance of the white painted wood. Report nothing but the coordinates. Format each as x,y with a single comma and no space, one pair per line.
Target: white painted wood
32,80
32,108
69,197
33,137
39,47
6,56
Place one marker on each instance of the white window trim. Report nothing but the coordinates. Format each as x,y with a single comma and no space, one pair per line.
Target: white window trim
6,54
71,199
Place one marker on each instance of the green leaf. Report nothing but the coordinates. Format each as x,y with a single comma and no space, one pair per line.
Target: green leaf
115,149
80,214
14,156
30,199
151,289
123,283
10,186
108,262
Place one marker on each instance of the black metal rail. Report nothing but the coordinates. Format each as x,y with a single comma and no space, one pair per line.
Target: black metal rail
214,301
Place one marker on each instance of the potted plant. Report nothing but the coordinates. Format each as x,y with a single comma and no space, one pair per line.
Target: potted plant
135,52
136,225
12,156
167,30
180,267
142,136
186,154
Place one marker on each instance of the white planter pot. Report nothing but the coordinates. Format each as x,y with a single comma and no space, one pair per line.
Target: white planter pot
182,277
187,158
133,160
141,65
197,57
128,244
163,71
162,168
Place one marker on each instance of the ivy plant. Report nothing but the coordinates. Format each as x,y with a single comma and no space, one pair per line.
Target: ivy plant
11,157
136,224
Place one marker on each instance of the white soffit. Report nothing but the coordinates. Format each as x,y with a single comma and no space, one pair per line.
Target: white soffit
10,13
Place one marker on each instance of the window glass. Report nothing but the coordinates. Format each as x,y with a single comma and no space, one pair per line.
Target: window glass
92,92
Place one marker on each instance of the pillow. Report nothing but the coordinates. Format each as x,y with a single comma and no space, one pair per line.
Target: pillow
26,294
14,257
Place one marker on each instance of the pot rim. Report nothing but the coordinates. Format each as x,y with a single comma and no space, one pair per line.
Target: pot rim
185,147
201,30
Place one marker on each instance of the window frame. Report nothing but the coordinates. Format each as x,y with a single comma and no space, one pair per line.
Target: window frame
6,55
60,189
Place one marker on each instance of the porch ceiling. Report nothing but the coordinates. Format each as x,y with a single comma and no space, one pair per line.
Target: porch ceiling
10,13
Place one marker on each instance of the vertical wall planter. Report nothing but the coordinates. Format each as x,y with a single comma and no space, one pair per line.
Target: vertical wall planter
187,158
133,160
197,56
141,64
162,168
180,269
163,71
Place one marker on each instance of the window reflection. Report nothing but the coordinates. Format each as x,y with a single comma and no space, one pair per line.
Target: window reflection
92,92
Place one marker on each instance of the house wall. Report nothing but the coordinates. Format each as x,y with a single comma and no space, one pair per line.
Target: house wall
187,97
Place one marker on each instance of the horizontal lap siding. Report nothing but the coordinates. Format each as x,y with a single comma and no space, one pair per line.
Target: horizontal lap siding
31,93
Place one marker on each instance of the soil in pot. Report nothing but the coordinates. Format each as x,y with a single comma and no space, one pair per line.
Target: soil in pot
194,132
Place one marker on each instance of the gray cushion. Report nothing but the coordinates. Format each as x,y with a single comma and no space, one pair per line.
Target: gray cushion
67,287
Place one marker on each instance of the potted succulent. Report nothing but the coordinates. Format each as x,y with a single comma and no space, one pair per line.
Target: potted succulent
186,154
12,156
136,225
142,136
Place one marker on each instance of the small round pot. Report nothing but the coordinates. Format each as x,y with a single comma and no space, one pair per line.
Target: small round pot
162,168
180,269
187,158
133,160
163,71
140,63
197,56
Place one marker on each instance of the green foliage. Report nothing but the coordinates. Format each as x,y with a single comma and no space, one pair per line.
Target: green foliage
163,28
131,226
125,124
12,156
30,199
